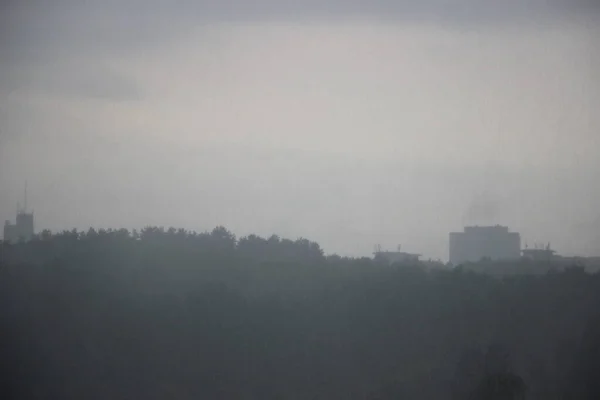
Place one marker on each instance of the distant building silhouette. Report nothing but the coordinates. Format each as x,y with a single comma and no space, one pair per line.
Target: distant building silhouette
23,228
395,256
10,232
546,254
484,242
540,253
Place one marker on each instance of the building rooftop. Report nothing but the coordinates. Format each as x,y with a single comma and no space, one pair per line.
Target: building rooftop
396,252
538,251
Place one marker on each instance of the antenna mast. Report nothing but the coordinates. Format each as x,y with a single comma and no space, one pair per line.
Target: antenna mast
25,198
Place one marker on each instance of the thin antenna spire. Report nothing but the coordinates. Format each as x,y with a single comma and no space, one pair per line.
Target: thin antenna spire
25,199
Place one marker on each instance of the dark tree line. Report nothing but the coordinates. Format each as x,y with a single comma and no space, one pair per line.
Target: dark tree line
169,313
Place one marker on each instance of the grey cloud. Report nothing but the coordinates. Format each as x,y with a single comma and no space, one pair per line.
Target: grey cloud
92,81
38,32
451,10
37,29
71,79
35,33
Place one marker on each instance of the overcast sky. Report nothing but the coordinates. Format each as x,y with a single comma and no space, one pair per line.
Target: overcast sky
347,122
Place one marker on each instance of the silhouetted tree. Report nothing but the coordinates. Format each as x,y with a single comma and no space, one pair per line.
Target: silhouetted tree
165,313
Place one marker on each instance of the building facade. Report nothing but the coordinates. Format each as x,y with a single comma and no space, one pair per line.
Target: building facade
544,254
22,230
484,242
392,257
10,232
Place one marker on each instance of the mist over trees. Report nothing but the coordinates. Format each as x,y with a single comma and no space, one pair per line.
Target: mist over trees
155,314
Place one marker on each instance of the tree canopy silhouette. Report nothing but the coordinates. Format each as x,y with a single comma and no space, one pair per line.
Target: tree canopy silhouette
169,313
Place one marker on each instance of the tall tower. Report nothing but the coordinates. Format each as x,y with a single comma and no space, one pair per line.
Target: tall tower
24,225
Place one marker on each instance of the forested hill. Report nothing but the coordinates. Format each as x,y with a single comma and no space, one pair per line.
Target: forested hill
172,314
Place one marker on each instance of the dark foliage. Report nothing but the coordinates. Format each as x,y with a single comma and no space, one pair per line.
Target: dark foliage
163,314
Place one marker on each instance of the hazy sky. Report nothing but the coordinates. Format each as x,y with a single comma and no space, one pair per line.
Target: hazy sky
347,122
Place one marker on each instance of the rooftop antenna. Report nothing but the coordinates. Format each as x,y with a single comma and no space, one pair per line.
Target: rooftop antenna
25,199
399,247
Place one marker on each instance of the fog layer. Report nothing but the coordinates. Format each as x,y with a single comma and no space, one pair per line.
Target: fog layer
350,125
